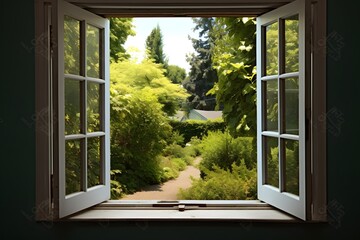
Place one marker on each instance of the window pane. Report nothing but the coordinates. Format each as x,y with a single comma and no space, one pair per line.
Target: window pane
93,51
271,105
73,166
292,106
72,106
292,44
94,161
272,46
272,161
292,166
93,107
71,46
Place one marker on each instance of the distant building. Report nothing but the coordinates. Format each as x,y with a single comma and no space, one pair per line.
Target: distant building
195,114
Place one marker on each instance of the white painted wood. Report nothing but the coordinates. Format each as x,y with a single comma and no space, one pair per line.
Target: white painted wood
319,84
241,210
284,201
289,75
75,77
69,204
290,137
253,215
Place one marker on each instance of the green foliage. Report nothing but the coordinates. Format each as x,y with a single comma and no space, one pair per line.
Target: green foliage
120,29
176,74
176,138
148,77
154,47
139,130
174,150
234,59
171,168
115,189
291,165
236,183
221,149
194,147
196,128
202,75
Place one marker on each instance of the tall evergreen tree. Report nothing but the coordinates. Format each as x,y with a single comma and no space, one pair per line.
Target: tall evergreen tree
154,46
202,75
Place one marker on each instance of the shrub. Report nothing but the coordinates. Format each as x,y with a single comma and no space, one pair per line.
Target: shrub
222,150
115,189
196,128
139,130
174,150
237,183
194,147
171,167
176,138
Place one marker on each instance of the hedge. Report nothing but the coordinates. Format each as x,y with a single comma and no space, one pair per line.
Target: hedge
197,128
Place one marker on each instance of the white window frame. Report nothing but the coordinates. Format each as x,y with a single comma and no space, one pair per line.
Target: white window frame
46,198
87,197
278,197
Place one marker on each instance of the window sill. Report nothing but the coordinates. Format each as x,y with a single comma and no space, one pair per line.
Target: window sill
254,211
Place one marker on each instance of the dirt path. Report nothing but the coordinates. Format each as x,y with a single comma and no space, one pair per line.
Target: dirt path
169,189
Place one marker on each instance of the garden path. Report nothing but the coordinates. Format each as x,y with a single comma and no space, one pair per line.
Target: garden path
169,189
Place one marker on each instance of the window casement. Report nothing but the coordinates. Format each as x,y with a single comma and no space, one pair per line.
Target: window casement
73,137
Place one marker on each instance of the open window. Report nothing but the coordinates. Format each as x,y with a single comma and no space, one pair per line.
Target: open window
73,170
83,147
283,64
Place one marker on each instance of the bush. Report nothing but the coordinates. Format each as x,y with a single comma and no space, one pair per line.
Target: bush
222,150
194,147
139,130
176,138
196,128
171,168
116,189
174,150
237,183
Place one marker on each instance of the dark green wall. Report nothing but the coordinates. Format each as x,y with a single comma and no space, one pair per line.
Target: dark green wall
18,146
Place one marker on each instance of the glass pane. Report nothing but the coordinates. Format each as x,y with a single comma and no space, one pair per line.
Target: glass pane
93,51
292,166
93,107
71,46
271,105
272,161
94,161
292,44
292,106
72,106
73,166
272,46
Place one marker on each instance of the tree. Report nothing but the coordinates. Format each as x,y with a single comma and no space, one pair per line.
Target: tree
234,60
154,46
202,76
120,29
142,98
149,76
176,74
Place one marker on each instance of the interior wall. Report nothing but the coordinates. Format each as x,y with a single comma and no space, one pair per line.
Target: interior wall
17,131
